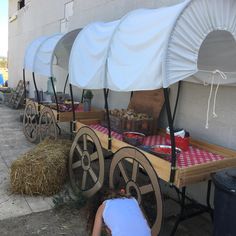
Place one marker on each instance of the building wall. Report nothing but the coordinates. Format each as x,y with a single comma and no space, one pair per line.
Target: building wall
37,18
47,17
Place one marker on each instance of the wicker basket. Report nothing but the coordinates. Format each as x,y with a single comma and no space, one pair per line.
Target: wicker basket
121,125
147,102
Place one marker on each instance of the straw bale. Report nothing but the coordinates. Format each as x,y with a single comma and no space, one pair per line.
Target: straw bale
42,170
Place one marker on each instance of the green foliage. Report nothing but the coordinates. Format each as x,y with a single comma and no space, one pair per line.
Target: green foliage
88,94
58,201
78,203
8,90
67,198
3,63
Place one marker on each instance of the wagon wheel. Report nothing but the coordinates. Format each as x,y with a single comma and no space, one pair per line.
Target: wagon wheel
86,162
30,122
130,169
47,124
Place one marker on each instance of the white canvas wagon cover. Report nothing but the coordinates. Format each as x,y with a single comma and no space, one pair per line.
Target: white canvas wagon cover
45,51
152,48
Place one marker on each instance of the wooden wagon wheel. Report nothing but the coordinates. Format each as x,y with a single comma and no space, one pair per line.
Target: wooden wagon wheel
47,124
30,121
130,169
86,162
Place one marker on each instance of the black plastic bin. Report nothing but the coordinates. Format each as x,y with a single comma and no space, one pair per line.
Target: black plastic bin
225,203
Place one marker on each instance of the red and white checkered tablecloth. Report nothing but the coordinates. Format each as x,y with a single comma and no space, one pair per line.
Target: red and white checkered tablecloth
194,156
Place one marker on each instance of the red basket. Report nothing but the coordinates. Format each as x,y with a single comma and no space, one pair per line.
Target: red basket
182,143
133,138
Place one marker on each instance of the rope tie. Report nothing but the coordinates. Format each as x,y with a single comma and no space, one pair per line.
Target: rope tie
224,77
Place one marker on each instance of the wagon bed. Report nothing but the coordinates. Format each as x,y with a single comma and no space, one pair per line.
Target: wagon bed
193,166
42,119
80,114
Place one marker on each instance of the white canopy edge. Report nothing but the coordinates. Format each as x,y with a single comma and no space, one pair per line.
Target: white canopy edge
87,64
31,51
199,19
63,48
149,49
44,58
43,52
104,52
136,50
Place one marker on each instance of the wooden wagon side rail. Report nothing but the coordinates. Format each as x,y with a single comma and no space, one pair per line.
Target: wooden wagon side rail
226,152
82,116
198,173
66,116
161,166
202,172
184,176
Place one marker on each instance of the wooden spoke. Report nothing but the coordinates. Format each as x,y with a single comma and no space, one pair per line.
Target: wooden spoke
33,132
27,125
94,156
51,123
135,170
76,164
78,149
28,115
145,187
93,175
80,161
30,122
123,172
47,124
84,179
85,142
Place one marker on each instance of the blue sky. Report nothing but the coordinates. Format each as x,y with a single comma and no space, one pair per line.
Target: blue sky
3,27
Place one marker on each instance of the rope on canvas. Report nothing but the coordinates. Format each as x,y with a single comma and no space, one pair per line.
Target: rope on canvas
213,76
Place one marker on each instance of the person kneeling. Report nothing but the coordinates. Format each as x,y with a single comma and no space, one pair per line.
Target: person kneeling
122,217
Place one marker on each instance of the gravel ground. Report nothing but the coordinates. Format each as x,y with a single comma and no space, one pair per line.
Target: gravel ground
64,221
69,221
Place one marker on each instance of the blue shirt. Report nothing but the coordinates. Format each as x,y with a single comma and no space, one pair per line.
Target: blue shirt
124,217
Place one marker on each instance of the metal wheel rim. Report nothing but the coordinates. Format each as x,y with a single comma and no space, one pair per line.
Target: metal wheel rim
30,122
139,159
48,129
86,132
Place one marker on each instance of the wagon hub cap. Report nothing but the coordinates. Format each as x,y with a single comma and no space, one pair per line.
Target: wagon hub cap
86,160
133,189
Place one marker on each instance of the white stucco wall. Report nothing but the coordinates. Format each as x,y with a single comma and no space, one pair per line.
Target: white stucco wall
35,19
44,18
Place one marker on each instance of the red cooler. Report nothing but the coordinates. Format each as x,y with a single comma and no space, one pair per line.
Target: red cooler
181,141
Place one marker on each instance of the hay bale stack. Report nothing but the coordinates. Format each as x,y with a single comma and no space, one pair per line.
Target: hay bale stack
42,170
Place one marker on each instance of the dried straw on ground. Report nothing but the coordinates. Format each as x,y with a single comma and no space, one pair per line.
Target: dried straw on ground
42,170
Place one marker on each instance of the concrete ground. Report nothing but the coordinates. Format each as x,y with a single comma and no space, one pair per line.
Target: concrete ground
22,215
12,145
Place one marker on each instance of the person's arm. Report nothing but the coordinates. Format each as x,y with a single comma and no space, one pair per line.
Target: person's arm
97,227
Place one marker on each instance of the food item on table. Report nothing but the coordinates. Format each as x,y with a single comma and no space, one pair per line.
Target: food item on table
132,135
163,150
129,114
128,120
133,138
